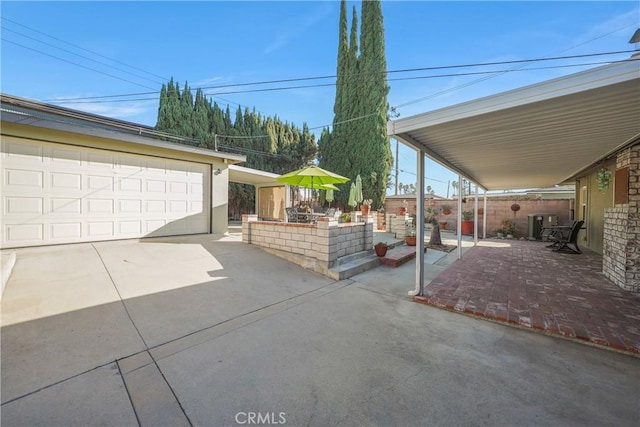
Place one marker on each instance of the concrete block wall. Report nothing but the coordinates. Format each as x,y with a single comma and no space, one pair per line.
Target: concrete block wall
498,209
397,224
323,243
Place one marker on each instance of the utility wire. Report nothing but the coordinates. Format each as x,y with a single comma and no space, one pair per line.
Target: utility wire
81,48
73,63
265,82
82,56
96,100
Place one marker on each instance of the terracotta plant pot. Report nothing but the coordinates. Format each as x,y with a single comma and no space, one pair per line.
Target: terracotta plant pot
381,250
443,225
364,209
402,210
467,227
410,240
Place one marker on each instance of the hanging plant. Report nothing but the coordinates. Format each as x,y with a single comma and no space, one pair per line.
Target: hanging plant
603,178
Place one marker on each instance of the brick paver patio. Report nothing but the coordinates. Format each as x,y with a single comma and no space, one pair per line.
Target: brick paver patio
523,283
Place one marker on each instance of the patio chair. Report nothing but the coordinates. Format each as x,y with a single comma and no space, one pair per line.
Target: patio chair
292,214
562,240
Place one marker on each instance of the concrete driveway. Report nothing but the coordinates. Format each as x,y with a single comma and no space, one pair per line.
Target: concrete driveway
208,331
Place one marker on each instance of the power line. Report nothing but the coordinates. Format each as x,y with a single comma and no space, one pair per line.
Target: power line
407,70
82,56
97,100
73,63
81,48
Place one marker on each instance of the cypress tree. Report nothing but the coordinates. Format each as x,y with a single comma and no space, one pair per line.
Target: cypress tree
372,145
358,143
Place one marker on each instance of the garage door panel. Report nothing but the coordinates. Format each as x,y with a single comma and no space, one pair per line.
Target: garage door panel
65,231
27,151
100,182
130,207
24,205
24,178
60,180
65,157
55,193
130,185
65,206
25,233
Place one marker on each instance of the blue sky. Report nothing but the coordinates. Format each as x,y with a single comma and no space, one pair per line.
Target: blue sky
143,44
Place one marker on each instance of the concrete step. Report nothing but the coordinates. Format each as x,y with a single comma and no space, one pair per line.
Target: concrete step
354,265
353,257
400,255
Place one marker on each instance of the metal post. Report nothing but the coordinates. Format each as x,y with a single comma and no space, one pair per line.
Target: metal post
475,217
419,288
459,226
484,215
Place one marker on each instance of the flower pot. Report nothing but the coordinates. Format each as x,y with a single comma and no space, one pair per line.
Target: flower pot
410,240
467,227
443,225
447,211
381,250
364,209
402,210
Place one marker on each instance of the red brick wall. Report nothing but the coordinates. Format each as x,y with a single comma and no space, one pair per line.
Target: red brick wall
498,209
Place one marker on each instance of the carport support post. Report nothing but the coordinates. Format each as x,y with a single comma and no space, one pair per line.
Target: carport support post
484,214
475,217
419,289
459,225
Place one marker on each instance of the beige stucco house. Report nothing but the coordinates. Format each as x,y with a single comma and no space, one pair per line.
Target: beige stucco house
68,176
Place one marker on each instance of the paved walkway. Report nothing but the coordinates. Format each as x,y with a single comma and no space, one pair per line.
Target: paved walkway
526,284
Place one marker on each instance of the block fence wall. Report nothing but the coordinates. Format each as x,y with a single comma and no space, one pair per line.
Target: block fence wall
322,243
621,244
497,211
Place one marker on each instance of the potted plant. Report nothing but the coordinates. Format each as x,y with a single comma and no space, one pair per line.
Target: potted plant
446,209
410,238
345,217
402,210
381,248
603,178
467,223
366,206
508,228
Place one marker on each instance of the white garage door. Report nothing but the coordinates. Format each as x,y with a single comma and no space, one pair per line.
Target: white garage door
55,193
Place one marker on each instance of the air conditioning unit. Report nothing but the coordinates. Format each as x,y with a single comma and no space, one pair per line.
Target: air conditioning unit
539,221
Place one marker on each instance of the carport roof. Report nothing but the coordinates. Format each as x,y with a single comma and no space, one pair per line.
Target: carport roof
535,136
244,175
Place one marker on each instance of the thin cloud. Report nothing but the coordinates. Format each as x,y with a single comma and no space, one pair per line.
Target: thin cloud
123,110
294,29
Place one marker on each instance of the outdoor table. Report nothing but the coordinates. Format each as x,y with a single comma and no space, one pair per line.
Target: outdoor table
309,216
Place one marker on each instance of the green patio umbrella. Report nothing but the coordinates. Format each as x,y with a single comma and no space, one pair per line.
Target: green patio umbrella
358,190
352,196
329,196
312,177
